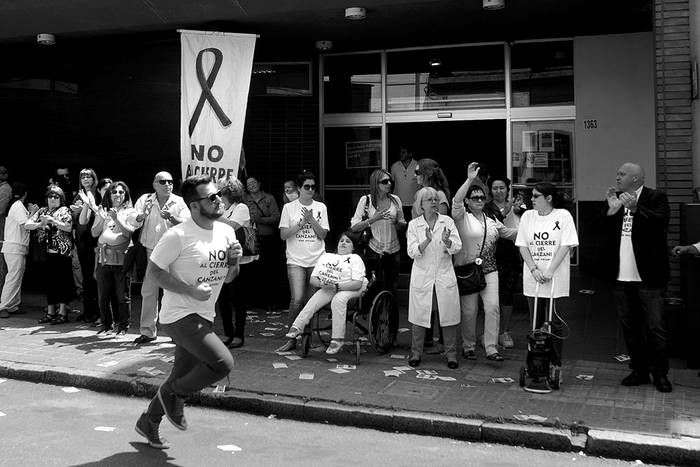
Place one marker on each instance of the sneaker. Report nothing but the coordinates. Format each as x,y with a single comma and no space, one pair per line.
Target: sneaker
173,406
291,344
334,347
143,339
4,314
506,341
149,430
293,333
106,330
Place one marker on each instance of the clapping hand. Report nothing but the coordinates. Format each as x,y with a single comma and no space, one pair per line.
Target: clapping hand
428,234
629,201
446,237
33,208
614,203
165,214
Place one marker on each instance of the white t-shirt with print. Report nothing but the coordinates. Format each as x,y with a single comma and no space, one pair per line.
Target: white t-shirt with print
335,268
304,248
543,235
628,271
193,255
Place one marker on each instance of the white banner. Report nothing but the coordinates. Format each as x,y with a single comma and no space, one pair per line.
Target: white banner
215,79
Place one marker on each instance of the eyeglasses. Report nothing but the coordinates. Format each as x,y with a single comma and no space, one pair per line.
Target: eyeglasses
309,187
212,197
52,196
86,175
477,198
386,181
118,192
165,182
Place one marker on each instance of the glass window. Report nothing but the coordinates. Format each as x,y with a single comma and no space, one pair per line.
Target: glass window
351,154
352,83
281,79
542,73
450,78
543,152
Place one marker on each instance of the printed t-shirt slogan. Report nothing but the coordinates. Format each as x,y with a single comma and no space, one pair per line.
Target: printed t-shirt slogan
215,79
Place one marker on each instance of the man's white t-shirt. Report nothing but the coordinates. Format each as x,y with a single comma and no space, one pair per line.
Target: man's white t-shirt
193,255
16,236
304,248
543,235
628,271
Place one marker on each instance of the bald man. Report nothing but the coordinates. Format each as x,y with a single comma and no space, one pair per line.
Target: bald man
157,212
634,256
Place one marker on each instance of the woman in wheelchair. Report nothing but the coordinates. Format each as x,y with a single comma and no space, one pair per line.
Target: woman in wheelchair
340,277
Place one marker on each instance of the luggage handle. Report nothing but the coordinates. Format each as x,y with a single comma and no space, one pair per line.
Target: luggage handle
550,311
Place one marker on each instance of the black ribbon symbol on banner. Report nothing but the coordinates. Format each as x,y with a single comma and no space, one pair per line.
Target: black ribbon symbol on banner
556,226
206,84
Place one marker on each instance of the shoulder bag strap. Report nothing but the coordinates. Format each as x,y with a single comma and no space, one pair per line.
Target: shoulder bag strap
484,240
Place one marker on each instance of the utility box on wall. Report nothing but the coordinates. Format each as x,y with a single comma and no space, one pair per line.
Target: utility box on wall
690,278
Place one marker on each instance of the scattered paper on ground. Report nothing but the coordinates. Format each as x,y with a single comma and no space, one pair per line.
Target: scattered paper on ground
267,334
332,360
424,376
108,364
446,378
502,380
70,389
347,367
533,418
229,447
293,357
404,329
622,358
585,377
306,376
104,428
2,414
272,329
166,345
400,357
279,365
426,372
220,388
395,373
340,371
285,353
403,368
2,380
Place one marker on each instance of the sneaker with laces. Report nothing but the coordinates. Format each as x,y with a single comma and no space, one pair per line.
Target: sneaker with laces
506,341
150,430
173,406
293,333
334,347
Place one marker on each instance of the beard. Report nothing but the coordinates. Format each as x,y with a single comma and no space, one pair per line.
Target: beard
212,213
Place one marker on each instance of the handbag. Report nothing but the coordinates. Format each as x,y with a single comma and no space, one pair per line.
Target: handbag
248,238
366,234
470,277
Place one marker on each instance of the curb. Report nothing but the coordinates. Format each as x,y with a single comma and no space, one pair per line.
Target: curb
604,443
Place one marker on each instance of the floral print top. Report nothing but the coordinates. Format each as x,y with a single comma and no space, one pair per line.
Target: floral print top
50,238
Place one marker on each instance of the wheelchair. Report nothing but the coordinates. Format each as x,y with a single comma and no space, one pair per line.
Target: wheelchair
374,317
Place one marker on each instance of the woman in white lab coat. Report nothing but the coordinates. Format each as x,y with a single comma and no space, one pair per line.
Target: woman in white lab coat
432,240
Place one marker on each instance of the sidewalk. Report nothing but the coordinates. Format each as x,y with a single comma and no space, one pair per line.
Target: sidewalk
598,416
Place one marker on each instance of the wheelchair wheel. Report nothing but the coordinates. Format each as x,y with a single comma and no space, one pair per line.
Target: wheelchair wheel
383,321
357,352
522,376
322,329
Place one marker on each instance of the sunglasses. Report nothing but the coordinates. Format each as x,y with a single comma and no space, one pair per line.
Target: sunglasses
53,197
118,192
309,187
212,197
386,181
477,198
86,175
165,182
536,195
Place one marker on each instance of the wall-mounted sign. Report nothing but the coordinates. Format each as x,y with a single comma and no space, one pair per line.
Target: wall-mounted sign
537,160
363,154
546,140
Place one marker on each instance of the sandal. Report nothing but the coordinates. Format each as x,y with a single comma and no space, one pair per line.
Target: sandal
60,319
495,357
48,318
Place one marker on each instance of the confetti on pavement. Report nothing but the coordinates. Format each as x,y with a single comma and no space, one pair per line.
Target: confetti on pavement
622,358
292,357
105,428
306,376
394,373
220,388
331,360
279,365
585,377
339,371
108,364
403,368
2,414
446,378
400,357
70,389
502,380
347,367
229,448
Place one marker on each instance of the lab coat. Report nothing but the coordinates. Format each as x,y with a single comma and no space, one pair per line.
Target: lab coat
433,268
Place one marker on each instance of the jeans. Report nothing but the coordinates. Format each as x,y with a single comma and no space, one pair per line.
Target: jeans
12,290
149,303
200,359
232,303
386,267
557,327
300,287
339,307
640,309
111,280
469,305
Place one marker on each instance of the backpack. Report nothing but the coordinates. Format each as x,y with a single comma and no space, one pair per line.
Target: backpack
248,238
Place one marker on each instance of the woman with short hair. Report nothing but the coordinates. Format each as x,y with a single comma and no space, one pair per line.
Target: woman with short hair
54,225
